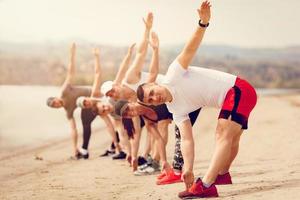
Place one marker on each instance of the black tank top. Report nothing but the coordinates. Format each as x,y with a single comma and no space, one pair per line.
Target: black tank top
161,111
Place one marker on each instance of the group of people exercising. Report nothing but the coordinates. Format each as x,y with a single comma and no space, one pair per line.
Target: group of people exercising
136,99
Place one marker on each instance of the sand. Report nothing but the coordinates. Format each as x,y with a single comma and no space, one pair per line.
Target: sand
267,167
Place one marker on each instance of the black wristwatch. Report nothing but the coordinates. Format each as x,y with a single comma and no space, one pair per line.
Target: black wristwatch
203,25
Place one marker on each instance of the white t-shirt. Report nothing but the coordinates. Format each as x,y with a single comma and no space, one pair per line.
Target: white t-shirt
195,87
143,79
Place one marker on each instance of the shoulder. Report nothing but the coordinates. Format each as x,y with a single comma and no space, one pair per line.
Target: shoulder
175,70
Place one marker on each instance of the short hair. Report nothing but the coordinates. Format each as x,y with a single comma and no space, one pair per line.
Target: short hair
140,92
50,101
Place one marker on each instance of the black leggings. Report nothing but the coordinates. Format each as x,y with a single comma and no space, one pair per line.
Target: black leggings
178,159
87,117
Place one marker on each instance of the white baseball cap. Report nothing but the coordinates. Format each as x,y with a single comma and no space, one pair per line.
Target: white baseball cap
80,102
106,87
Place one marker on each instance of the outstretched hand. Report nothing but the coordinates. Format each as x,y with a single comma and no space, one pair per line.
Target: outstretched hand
204,12
154,41
148,21
188,179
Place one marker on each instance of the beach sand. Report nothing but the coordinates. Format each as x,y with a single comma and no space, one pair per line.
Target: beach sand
267,167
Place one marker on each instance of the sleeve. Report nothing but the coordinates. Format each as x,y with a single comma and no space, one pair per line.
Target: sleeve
180,118
175,71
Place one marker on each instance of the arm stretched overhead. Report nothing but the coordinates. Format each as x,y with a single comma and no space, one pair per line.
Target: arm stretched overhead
187,54
97,77
71,66
154,65
134,72
124,65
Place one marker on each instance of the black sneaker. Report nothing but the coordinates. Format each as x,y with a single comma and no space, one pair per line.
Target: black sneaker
119,156
107,153
141,160
82,156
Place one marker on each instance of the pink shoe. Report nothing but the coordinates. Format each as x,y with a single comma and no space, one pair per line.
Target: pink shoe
198,190
161,175
224,179
169,178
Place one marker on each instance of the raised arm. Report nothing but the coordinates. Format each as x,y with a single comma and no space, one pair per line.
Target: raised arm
133,73
186,56
97,78
71,66
124,65
154,65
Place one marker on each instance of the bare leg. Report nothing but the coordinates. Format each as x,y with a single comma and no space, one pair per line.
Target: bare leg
124,141
234,152
135,143
163,129
226,131
74,135
149,144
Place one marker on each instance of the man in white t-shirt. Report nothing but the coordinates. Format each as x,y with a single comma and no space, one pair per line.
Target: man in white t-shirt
187,88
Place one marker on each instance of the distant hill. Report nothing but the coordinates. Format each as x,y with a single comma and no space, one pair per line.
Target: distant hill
45,64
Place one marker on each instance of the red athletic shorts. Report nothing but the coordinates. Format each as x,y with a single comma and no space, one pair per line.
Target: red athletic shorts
239,102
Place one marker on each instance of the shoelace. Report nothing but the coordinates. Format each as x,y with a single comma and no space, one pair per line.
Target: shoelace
196,187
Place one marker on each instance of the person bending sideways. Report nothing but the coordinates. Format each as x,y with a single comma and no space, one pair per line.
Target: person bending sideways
104,106
187,88
67,100
155,115
133,77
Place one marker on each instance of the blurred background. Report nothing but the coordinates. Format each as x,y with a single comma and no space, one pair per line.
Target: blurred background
258,41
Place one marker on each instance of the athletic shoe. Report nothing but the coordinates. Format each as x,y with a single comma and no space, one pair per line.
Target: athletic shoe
119,156
141,160
169,178
107,153
145,163
198,190
80,156
149,169
224,179
161,175
142,167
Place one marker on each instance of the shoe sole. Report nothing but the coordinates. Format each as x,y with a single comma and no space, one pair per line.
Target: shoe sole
167,183
197,197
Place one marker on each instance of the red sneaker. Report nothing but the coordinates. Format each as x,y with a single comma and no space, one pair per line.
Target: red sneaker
199,191
224,179
161,175
169,178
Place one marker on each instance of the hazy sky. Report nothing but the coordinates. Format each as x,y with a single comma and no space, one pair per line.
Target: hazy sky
246,23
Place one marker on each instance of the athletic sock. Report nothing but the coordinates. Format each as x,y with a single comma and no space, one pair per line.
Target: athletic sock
83,151
206,185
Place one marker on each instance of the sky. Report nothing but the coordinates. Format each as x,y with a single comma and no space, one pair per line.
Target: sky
244,23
